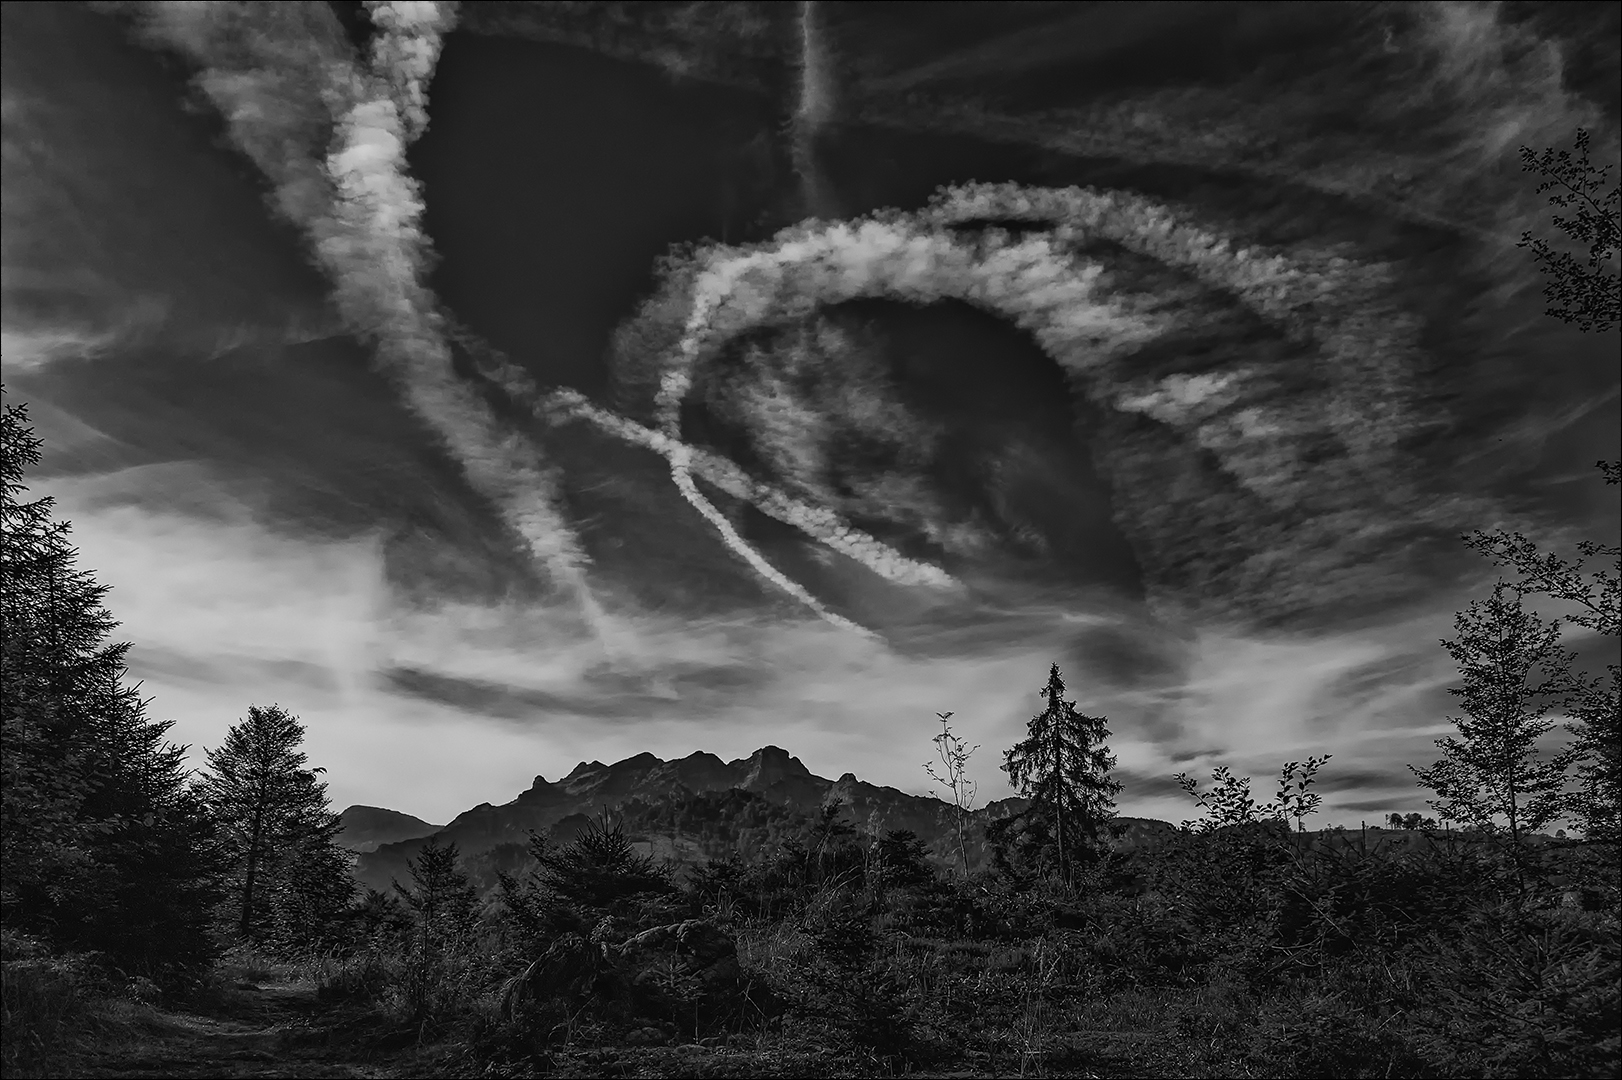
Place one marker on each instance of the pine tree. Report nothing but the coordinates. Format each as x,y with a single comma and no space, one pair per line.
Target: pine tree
1513,671
443,902
105,844
599,869
288,872
1062,767
440,894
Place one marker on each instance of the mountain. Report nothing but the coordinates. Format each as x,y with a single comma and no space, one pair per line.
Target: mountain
673,810
367,827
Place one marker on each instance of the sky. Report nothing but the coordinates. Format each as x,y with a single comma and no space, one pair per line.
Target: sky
495,405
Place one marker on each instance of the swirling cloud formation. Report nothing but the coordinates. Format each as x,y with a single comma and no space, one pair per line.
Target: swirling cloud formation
1321,479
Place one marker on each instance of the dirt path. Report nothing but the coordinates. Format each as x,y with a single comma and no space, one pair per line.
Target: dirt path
270,1030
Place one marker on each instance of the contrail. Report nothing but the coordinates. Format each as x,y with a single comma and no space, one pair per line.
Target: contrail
819,523
279,74
812,110
1327,512
736,290
1340,307
680,471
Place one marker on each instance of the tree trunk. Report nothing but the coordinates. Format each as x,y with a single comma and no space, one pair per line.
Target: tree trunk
1059,793
255,838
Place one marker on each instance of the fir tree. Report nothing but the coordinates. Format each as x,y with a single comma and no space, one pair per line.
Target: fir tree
440,895
106,846
443,903
289,876
1062,767
599,868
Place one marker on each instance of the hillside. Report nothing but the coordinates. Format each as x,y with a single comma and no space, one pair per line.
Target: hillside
367,827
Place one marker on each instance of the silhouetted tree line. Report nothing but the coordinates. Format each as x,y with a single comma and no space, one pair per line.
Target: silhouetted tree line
111,846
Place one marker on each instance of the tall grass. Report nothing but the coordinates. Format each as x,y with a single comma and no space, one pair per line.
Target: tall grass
54,1007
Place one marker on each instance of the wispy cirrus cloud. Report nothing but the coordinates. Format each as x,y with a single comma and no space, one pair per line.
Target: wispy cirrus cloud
283,77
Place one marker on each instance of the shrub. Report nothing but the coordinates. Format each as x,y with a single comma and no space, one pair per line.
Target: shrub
1524,993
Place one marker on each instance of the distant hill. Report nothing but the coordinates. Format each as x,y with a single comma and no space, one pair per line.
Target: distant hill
366,827
681,811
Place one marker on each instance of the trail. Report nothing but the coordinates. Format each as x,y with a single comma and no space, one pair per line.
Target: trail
276,1029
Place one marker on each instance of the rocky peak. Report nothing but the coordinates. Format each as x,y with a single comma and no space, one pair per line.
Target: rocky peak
697,772
580,770
767,766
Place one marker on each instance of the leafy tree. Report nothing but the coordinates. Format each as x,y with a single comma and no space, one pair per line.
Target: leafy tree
1062,767
280,832
954,778
1513,670
105,846
1229,803
1592,599
1588,294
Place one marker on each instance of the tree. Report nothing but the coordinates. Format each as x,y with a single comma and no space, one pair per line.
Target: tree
440,894
105,845
1592,599
828,831
955,764
280,832
1587,294
1229,803
1513,671
599,868
443,902
1062,767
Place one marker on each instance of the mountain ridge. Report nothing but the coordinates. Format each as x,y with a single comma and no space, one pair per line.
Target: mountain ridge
365,828
771,772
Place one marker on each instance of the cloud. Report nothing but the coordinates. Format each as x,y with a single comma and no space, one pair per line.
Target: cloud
1314,502
432,707
404,51
820,523
283,77
1443,94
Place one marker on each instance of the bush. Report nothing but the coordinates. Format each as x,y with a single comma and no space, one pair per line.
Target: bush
1524,993
51,1004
